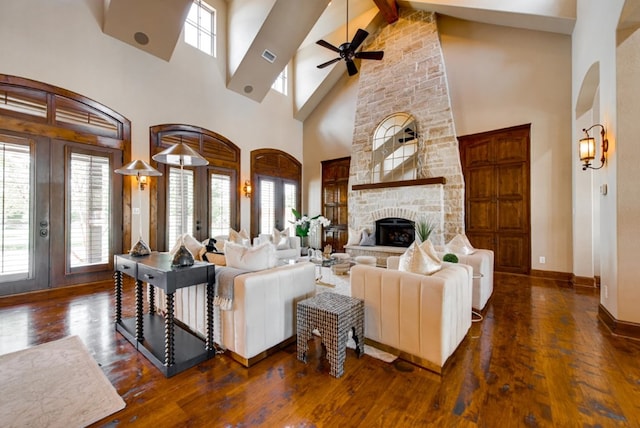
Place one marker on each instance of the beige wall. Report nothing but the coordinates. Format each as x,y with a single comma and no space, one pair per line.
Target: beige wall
498,77
61,43
589,48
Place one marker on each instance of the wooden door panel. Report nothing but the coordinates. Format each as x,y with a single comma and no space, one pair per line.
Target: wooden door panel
335,198
512,253
511,216
495,166
512,147
483,183
479,153
511,181
481,216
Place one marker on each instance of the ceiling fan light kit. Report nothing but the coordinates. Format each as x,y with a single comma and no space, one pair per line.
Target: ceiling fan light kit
347,50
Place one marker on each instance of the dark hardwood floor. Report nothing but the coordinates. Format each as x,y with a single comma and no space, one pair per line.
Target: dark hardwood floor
540,358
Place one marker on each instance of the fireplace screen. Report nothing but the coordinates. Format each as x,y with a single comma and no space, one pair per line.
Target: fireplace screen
395,232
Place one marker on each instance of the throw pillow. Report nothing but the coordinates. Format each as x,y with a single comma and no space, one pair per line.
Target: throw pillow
281,239
262,256
355,236
460,244
420,259
368,240
241,237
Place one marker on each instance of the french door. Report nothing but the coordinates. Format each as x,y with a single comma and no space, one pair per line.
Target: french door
277,197
59,212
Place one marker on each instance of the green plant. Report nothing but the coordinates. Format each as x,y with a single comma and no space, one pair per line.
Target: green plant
451,258
423,228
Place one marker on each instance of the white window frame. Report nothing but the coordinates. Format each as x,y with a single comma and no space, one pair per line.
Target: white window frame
202,11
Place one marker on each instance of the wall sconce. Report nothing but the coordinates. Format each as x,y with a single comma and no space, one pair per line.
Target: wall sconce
587,148
247,188
142,182
141,170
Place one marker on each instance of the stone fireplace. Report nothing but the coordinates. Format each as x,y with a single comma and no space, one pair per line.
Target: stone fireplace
411,78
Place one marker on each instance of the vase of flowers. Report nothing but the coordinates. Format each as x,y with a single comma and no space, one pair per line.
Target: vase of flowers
305,225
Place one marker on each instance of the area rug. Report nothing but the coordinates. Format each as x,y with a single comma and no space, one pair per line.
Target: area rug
56,384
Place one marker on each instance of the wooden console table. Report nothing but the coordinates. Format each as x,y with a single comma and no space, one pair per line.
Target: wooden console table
168,346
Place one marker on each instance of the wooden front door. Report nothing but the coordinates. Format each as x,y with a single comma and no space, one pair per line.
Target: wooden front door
495,166
335,198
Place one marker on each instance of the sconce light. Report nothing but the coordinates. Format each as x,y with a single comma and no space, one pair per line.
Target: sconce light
141,170
587,148
142,182
247,188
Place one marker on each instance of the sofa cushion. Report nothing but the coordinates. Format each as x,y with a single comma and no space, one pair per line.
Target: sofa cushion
421,259
460,245
262,256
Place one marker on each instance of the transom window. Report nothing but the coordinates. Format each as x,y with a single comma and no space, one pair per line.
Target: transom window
200,27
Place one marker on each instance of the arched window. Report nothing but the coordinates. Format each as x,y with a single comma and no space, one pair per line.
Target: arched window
211,192
276,176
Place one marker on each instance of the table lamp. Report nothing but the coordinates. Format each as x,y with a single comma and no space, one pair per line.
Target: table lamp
181,154
140,169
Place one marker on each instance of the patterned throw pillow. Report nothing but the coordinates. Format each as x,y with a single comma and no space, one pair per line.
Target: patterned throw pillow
421,259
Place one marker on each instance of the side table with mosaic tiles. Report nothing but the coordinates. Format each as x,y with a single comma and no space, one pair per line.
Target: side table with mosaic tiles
333,315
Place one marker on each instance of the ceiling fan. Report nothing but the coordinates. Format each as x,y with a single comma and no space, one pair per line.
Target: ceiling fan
347,50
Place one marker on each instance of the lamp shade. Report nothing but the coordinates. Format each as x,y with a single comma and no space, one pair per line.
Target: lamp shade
180,154
587,149
139,168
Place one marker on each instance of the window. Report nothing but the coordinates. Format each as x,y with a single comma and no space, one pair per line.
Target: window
277,198
211,192
15,202
220,210
89,212
180,219
200,27
280,84
277,175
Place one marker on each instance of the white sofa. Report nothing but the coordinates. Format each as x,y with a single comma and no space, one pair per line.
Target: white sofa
481,261
263,317
421,318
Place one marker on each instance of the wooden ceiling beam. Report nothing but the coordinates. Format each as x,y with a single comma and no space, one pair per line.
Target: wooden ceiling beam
389,10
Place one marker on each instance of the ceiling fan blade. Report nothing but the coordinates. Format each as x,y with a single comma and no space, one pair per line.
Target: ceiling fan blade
370,55
351,68
328,45
358,39
324,64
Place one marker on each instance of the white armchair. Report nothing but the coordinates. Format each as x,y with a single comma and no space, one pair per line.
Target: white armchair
289,251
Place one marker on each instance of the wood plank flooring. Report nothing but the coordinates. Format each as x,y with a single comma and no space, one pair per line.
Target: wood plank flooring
540,358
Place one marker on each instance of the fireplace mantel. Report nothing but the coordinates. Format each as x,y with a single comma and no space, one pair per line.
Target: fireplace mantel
417,182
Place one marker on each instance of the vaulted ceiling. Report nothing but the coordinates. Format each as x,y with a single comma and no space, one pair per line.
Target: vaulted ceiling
289,29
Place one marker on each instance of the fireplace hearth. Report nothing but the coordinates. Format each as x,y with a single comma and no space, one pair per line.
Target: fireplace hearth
395,232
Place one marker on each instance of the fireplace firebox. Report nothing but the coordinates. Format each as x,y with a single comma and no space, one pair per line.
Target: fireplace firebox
395,232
